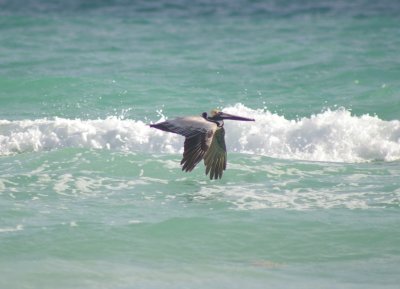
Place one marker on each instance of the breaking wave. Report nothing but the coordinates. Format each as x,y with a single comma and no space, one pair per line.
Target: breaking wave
332,135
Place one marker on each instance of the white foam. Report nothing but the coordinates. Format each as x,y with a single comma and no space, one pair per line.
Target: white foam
110,133
332,135
12,229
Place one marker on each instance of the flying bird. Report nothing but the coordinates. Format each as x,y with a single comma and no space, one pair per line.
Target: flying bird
204,139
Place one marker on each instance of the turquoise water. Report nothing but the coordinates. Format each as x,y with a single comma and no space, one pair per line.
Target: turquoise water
91,197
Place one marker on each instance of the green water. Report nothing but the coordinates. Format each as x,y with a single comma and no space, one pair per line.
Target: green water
91,197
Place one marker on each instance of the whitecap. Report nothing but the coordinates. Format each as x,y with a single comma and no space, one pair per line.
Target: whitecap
330,136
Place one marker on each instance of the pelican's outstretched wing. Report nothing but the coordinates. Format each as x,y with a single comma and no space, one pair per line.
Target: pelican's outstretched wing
186,126
194,149
215,157
198,134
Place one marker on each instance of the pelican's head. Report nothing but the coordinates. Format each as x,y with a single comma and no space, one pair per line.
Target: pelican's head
214,112
217,115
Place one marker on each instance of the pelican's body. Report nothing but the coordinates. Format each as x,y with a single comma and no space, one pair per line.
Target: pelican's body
204,139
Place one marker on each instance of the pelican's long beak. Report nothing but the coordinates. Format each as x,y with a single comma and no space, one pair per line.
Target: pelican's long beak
224,115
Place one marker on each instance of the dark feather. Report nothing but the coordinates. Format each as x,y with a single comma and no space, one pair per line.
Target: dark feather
215,157
194,149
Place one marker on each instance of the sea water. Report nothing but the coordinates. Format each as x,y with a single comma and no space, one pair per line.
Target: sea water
92,197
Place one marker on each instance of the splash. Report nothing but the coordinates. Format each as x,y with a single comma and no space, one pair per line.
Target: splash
332,136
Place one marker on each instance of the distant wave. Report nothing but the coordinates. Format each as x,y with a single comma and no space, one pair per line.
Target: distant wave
332,135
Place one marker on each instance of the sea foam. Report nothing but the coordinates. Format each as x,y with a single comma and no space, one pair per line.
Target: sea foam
332,135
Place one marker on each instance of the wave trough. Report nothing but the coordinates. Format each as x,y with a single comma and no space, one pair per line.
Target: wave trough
331,136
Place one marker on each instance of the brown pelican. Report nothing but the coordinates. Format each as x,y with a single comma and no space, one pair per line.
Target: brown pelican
204,139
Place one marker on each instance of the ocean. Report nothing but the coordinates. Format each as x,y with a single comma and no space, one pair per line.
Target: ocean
92,197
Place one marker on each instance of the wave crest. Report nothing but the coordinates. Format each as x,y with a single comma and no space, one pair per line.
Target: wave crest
332,135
